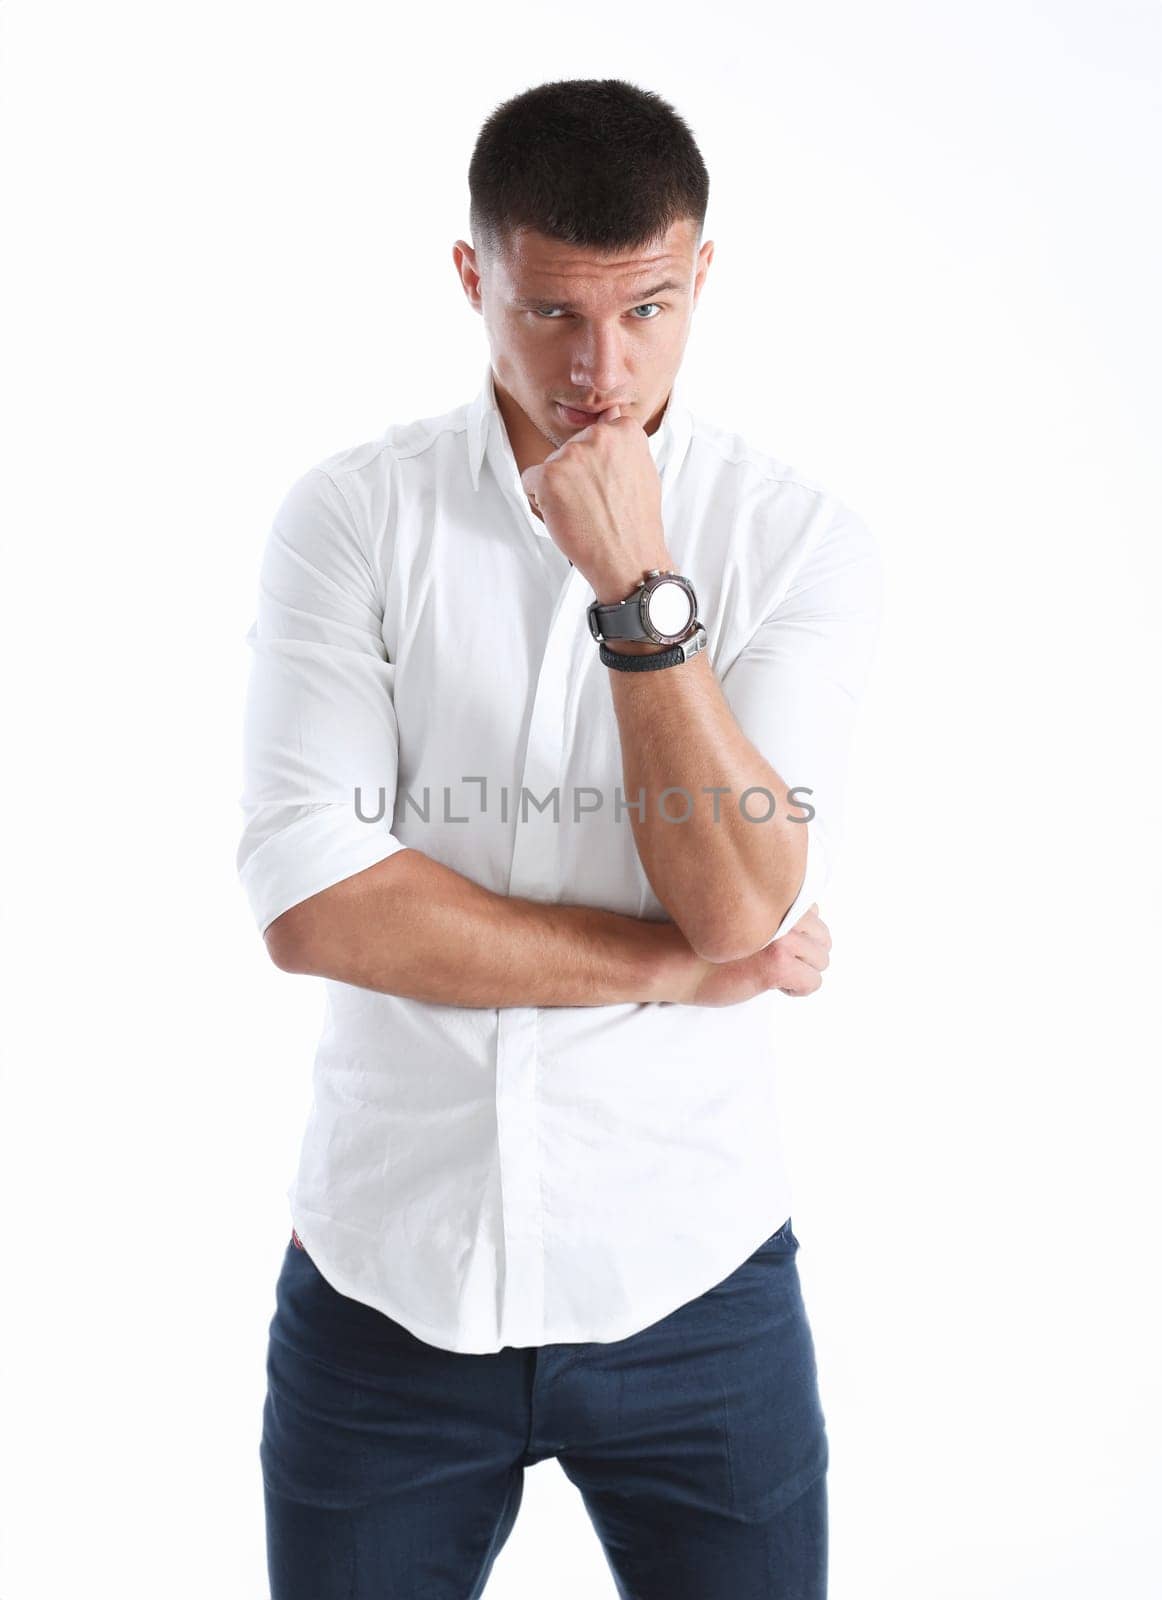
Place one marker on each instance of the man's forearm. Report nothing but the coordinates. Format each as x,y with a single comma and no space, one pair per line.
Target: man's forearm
726,878
411,926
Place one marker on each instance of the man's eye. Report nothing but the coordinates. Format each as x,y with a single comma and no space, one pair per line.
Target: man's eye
549,312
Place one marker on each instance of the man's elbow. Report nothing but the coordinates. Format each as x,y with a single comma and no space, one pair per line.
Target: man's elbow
737,938
322,935
750,922
741,927
286,943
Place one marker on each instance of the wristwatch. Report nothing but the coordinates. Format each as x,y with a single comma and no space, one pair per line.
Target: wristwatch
661,609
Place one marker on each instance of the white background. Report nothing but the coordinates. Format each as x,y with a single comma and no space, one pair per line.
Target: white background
935,290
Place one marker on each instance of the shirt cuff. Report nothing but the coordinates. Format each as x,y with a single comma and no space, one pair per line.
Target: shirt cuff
309,856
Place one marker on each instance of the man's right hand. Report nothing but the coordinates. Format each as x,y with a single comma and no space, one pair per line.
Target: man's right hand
793,964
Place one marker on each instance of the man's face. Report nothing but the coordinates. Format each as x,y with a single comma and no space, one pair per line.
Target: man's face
574,328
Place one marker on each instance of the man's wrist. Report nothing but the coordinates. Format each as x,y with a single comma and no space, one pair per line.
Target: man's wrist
679,969
616,584
611,589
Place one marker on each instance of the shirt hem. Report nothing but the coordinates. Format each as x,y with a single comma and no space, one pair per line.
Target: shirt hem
573,1334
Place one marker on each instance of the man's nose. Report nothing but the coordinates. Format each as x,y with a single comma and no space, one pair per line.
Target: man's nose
598,363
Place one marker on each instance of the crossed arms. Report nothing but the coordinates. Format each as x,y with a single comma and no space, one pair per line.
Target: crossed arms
742,895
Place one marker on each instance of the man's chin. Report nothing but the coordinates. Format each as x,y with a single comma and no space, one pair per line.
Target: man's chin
551,430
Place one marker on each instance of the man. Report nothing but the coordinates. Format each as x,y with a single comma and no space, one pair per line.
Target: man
546,735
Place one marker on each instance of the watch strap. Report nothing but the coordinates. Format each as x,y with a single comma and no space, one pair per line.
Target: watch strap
655,660
621,621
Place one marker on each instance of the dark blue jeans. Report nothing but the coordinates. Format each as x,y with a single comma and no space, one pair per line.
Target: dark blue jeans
395,1469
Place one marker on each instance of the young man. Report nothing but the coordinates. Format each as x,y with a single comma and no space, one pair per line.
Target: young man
547,728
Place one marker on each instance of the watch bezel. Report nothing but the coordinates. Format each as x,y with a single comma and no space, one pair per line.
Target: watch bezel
653,581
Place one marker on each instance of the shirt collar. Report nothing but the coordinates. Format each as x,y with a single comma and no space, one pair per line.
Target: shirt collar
487,435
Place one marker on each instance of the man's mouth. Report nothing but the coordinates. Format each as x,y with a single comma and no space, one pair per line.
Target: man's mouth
579,416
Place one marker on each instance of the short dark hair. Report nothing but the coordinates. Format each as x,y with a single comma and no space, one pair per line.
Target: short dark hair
595,162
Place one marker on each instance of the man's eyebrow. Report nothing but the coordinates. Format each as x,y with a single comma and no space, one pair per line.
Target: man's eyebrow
671,286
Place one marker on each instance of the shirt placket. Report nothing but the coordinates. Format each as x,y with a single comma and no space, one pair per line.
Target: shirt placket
534,875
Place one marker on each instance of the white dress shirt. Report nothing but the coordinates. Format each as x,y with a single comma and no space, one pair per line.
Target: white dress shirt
530,1175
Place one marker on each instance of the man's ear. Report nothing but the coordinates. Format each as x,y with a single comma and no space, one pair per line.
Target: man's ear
468,271
705,257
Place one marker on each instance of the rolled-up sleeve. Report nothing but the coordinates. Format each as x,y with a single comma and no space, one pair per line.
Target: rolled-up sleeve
796,686
320,739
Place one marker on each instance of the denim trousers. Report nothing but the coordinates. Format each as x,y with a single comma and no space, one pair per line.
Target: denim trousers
393,1469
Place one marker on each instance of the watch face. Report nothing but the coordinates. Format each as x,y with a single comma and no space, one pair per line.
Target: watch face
670,607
